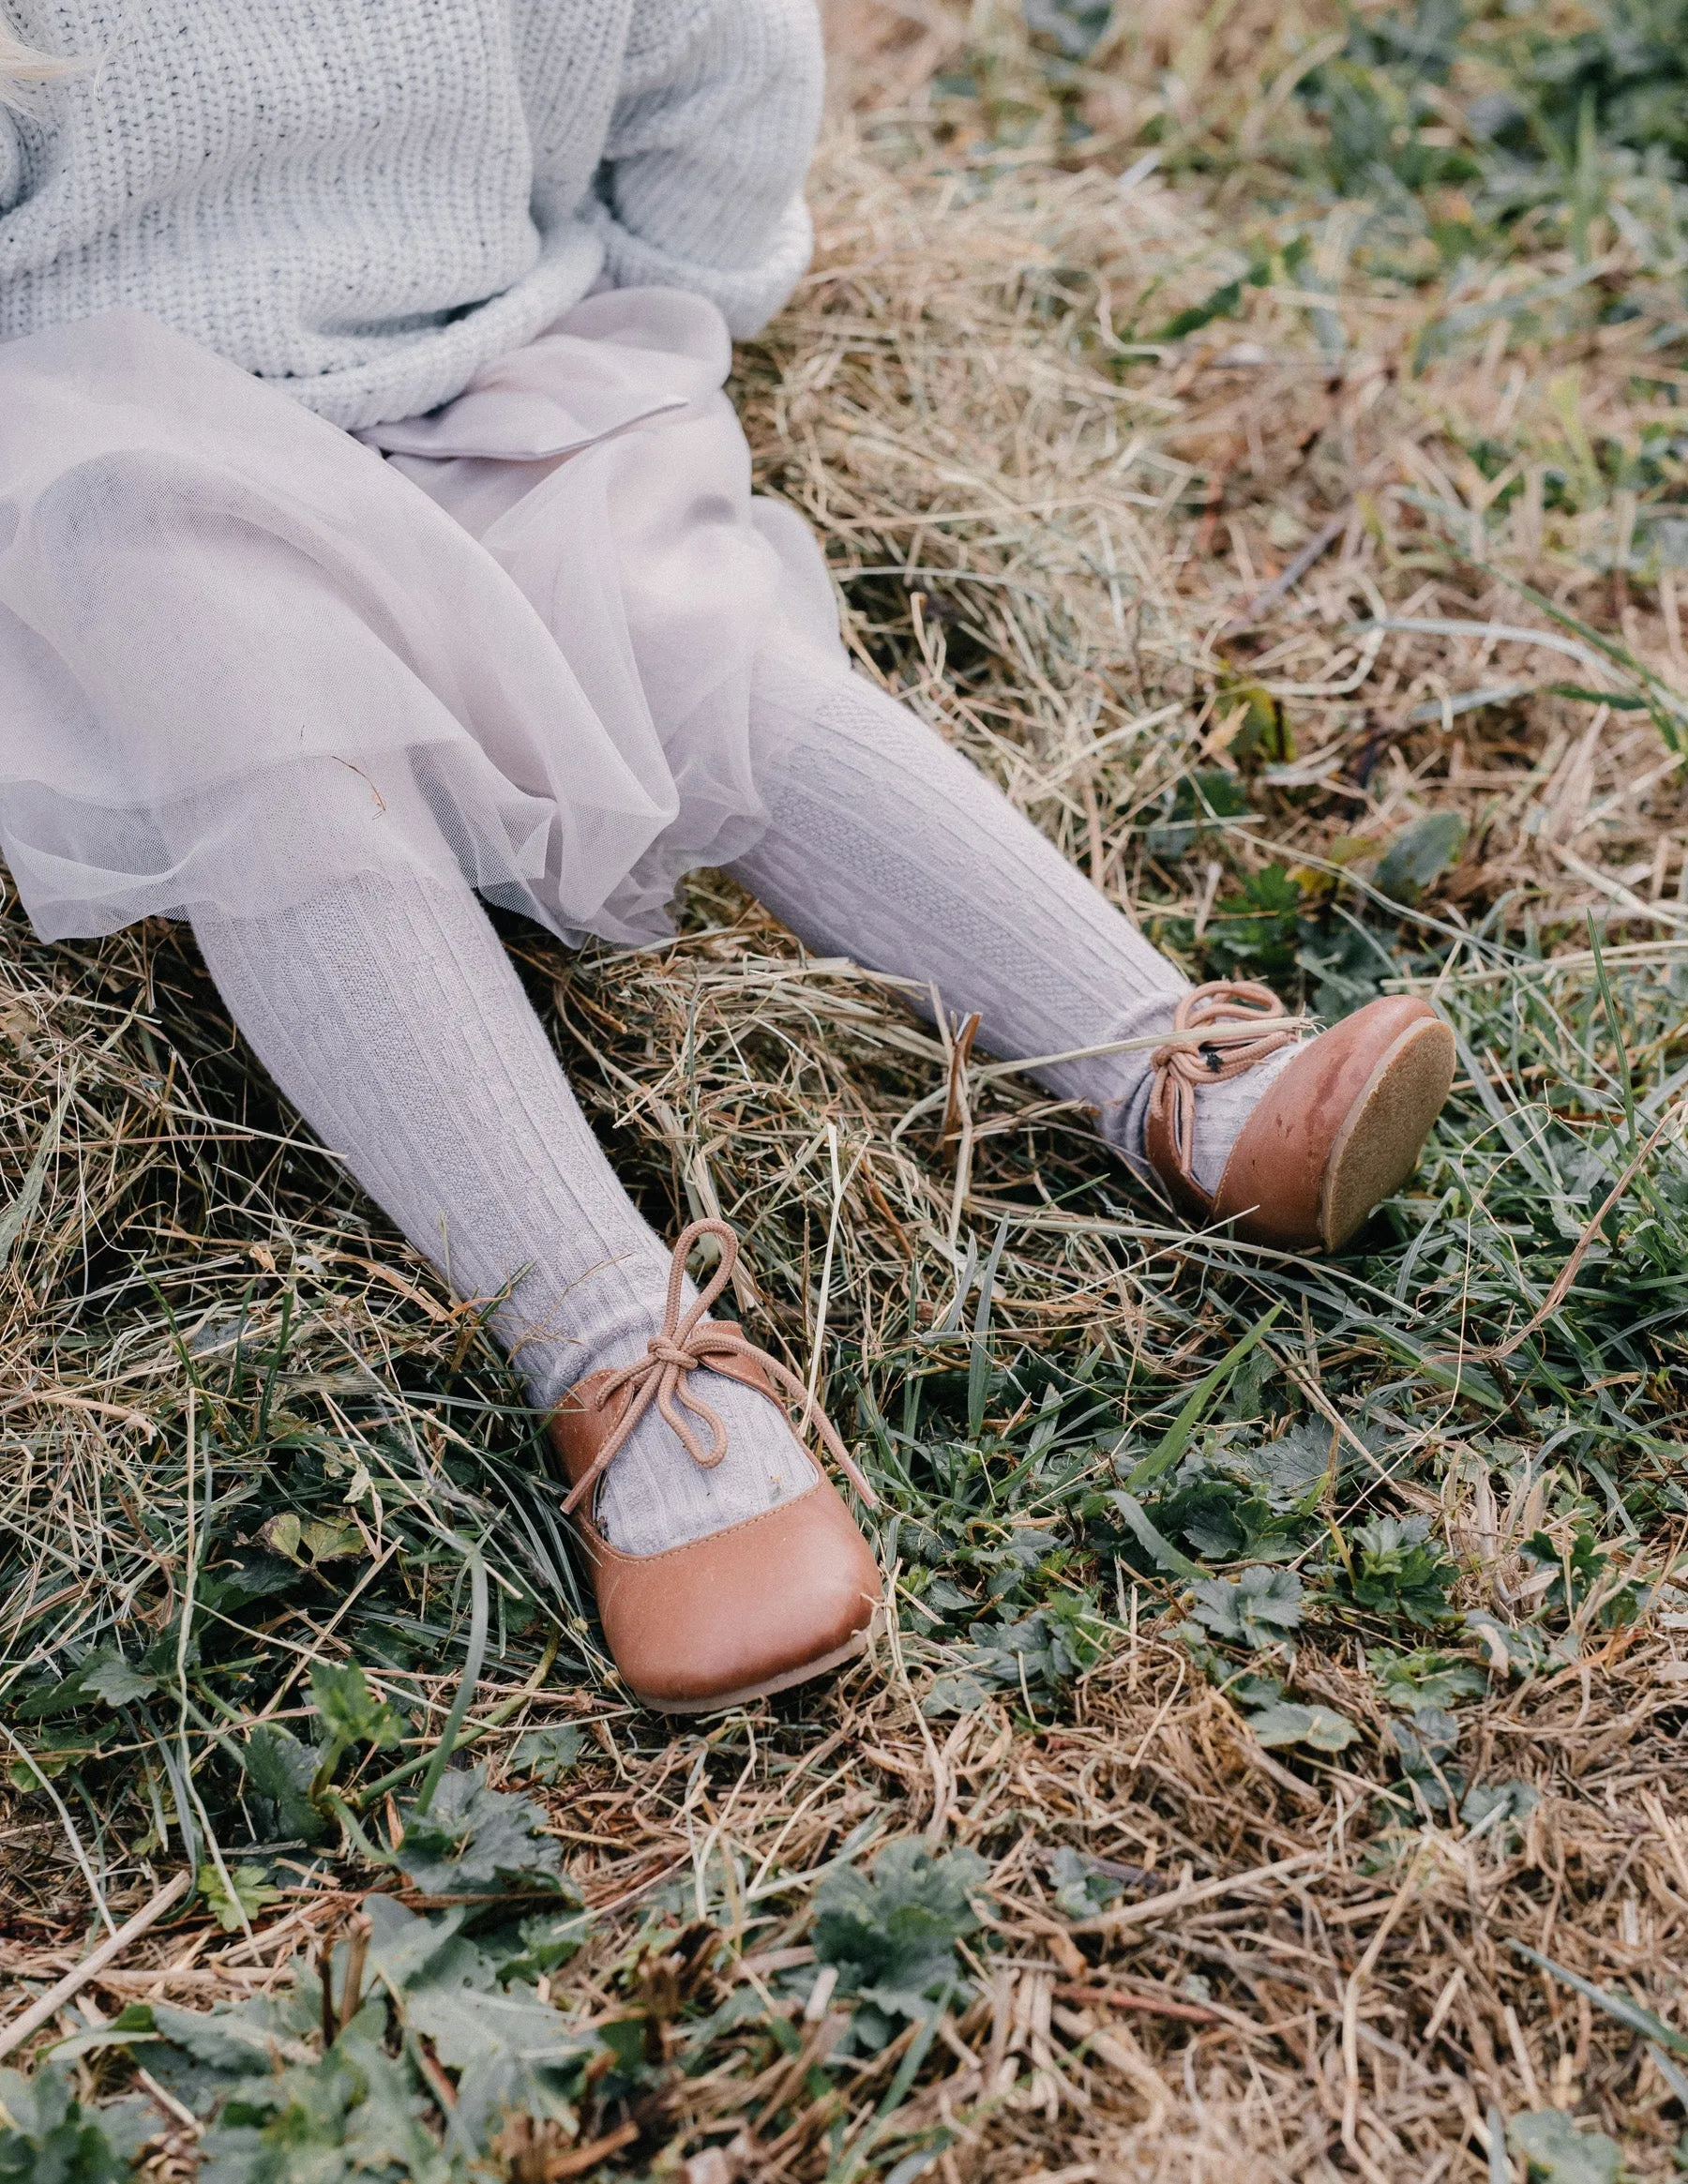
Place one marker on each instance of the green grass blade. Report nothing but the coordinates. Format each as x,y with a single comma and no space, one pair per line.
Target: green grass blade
1499,2168
1172,1444
978,1364
472,1672
1164,1553
1618,2005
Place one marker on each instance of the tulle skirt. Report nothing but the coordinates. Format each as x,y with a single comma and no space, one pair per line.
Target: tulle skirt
244,655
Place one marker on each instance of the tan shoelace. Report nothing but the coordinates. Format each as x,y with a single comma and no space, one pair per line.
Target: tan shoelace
1221,1031
684,1346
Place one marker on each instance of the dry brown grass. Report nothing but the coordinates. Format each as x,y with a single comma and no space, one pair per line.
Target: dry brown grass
1094,524
1042,540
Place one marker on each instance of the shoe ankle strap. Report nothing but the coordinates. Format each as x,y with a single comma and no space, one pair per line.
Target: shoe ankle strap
1219,1031
692,1344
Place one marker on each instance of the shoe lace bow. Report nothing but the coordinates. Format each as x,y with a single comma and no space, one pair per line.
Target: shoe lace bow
1220,1030
692,1344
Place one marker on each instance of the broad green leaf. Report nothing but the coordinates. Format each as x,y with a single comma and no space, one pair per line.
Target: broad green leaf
282,1535
104,1675
1190,809
408,1950
229,1585
1288,1724
241,2042
352,1713
1513,1800
1558,2153
1409,1681
473,1840
1399,1572
281,2111
1042,1650
1168,1557
541,1943
47,1699
1255,1609
1260,925
548,1754
111,1678
1513,1649
280,1771
133,2024
1421,850
356,2115
1080,1887
33,1771
893,1936
510,2049
47,2137
1425,1745
326,1541
1429,1735
954,1695
1293,1469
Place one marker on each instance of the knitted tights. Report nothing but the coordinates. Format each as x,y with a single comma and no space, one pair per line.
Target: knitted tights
389,1014
885,845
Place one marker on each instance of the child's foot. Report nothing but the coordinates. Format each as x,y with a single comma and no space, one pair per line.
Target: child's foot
1336,1124
763,1603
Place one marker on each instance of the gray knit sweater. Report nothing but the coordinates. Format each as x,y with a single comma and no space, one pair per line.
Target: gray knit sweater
363,201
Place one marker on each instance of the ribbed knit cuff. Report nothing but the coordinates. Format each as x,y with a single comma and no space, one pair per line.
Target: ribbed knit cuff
747,297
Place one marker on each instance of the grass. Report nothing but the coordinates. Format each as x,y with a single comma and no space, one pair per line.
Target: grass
1281,1649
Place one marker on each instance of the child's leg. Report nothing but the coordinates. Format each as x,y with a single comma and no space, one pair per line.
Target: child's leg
886,846
389,1014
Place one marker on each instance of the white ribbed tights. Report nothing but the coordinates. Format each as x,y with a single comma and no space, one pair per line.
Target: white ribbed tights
389,1014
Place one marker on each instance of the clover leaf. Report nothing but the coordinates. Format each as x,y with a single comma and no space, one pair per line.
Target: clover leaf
239,1901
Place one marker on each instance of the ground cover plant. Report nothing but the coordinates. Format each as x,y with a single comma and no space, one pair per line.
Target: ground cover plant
1256,436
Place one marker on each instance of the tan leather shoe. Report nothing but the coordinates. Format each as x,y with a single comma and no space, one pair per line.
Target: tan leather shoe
1337,1131
745,1611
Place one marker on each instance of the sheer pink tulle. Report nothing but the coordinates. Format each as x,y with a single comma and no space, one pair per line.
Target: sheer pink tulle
242,655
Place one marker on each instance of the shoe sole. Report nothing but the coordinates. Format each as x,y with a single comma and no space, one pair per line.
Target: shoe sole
1384,1133
721,1701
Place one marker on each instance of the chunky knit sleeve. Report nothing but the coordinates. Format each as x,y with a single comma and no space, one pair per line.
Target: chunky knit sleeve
700,186
11,161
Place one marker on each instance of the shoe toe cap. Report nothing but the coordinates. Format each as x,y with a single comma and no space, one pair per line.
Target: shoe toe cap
1340,1128
749,1609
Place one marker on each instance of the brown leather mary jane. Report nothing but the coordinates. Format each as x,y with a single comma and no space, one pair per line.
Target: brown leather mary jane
745,1611
1335,1132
